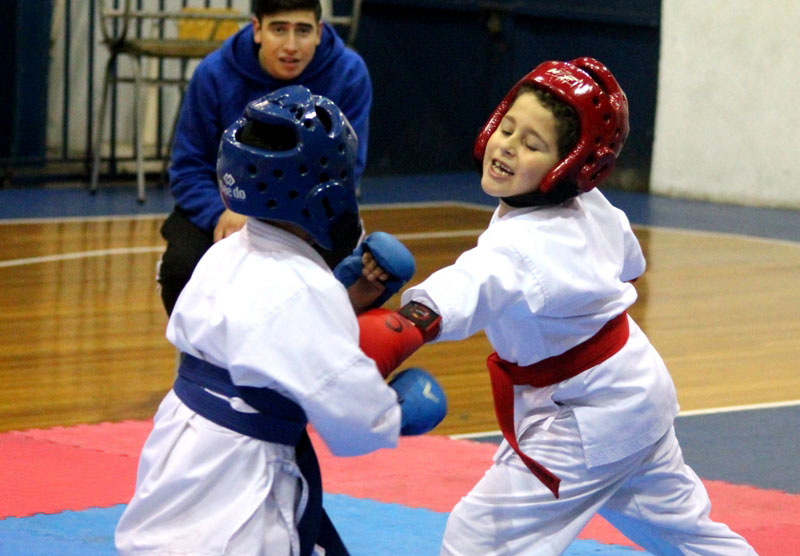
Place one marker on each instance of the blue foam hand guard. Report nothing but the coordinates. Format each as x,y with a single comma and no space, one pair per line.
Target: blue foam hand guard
422,401
390,254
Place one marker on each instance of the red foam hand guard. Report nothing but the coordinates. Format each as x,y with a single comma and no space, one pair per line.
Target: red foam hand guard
390,337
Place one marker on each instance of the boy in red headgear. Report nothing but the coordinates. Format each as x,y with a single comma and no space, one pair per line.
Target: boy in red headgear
584,401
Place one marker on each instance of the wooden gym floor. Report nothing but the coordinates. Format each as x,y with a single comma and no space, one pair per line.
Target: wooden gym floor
82,332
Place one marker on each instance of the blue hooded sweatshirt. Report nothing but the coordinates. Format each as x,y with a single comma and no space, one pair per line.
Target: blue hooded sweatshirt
220,88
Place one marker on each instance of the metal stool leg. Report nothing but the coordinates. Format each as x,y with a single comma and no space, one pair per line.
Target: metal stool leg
137,133
101,120
164,179
354,19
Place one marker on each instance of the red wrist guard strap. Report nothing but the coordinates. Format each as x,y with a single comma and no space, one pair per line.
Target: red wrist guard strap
424,318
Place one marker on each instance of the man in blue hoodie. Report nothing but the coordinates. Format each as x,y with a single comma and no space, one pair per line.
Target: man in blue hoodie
287,44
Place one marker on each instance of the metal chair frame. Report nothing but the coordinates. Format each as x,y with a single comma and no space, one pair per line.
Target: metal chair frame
350,21
117,25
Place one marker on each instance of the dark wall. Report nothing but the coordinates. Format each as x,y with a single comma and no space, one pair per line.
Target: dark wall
440,67
7,56
24,63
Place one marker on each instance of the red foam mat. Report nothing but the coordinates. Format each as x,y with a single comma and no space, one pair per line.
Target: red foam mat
75,468
124,438
40,476
430,472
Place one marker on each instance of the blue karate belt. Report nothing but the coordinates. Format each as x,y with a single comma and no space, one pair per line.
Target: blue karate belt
278,420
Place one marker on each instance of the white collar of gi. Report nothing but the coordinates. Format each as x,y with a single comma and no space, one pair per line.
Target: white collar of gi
256,232
513,212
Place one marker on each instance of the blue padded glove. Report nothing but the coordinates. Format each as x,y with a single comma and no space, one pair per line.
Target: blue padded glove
422,401
391,255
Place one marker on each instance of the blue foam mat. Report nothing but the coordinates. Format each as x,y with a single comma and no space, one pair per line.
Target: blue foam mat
85,533
368,528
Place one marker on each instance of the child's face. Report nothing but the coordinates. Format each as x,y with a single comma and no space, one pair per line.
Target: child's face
522,150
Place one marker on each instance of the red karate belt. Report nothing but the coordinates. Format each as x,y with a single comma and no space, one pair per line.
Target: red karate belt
504,375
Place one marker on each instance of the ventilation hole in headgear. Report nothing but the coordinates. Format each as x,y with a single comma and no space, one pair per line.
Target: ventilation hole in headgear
341,148
267,136
302,169
278,173
596,175
323,177
612,145
598,140
617,132
308,124
299,113
262,187
326,204
306,214
343,174
590,159
293,194
606,118
597,79
323,161
324,118
271,204
252,170
596,100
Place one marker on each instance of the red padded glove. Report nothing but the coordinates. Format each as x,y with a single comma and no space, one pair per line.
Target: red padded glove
391,337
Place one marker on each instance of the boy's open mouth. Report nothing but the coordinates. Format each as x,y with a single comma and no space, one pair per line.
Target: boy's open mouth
502,168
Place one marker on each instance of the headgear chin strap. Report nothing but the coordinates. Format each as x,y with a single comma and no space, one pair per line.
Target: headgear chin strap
291,158
602,108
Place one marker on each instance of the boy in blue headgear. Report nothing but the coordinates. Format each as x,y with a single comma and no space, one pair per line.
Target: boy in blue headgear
269,343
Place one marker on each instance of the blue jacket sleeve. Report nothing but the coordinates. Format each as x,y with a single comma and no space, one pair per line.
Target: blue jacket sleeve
193,174
356,103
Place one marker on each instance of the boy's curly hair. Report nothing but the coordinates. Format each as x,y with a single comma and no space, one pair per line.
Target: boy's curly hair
567,123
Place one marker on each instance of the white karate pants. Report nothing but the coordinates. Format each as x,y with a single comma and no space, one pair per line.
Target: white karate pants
652,497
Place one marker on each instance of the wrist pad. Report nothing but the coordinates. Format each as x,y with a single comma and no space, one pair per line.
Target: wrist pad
424,318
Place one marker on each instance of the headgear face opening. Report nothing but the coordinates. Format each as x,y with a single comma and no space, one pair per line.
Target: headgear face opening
291,158
602,108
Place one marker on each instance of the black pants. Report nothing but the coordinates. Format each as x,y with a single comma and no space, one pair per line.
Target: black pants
186,244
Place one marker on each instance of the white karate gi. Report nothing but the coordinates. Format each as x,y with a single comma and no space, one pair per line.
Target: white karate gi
540,281
263,305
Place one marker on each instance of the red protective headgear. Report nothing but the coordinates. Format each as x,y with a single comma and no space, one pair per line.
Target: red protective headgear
602,109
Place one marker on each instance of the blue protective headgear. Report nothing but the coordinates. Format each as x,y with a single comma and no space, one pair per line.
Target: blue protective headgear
291,158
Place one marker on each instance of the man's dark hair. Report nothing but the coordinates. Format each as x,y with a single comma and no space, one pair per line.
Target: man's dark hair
262,8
